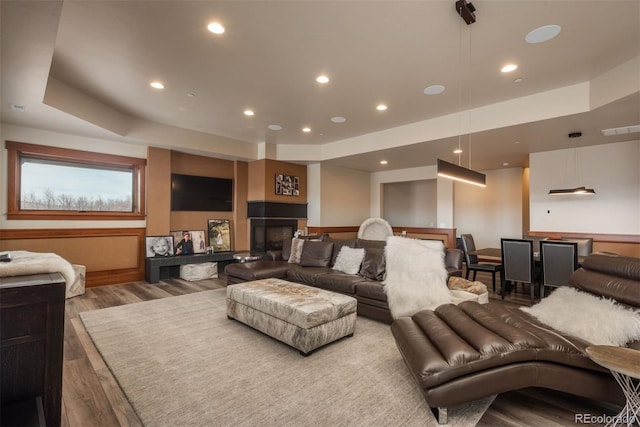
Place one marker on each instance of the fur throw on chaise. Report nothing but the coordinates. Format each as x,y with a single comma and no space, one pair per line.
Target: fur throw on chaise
416,275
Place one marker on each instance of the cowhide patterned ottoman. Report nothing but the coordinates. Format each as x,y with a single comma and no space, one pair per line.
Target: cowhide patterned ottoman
302,316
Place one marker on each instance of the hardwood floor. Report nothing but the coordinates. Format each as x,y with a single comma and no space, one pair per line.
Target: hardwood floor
92,397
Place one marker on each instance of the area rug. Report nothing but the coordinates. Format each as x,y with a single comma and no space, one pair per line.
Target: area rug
181,361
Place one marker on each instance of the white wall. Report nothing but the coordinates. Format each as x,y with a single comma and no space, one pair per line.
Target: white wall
337,196
492,212
613,170
41,137
411,204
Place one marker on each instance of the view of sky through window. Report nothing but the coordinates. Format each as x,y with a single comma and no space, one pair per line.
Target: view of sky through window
60,186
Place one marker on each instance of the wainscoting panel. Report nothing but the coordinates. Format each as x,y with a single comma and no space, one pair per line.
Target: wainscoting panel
111,255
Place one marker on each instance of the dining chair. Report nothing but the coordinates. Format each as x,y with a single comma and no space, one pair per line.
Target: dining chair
518,263
558,260
471,260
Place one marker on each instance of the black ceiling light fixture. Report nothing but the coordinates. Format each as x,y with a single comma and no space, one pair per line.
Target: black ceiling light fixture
466,10
577,173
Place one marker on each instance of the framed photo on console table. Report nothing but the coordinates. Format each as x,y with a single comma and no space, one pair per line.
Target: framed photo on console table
219,235
188,242
158,246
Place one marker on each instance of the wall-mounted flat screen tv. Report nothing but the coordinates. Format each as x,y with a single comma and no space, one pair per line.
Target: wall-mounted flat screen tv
201,193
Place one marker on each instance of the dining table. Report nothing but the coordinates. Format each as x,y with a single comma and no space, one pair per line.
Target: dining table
495,255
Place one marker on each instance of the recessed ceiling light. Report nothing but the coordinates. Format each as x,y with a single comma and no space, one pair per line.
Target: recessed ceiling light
505,164
249,113
457,151
434,90
191,95
383,162
509,68
322,79
338,119
381,107
215,28
543,34
275,127
156,85
306,129
518,80
621,130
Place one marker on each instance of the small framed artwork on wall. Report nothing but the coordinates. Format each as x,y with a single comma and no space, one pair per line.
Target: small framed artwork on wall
219,235
287,185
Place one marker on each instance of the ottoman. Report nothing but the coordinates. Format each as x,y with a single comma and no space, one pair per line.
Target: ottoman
301,316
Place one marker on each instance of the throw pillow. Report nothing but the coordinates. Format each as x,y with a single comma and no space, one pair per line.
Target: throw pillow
296,250
316,253
349,260
599,321
373,265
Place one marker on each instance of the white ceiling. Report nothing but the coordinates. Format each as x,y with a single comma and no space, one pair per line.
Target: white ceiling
84,67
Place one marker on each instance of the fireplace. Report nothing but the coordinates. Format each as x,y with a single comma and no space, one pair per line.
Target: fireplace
270,234
273,223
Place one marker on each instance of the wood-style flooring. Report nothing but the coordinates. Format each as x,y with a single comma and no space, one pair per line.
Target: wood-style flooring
91,396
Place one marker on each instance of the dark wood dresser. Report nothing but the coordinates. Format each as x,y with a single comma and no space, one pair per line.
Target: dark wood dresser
31,346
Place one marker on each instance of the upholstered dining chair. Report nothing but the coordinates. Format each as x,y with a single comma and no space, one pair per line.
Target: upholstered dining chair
518,263
558,260
471,260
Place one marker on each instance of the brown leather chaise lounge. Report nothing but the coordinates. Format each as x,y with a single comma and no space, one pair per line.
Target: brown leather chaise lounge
462,353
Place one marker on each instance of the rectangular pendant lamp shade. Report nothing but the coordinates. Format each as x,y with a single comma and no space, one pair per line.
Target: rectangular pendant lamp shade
577,190
449,170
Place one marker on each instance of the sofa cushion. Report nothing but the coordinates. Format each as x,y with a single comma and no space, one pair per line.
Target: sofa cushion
338,282
371,289
373,264
364,243
306,275
316,254
260,269
349,260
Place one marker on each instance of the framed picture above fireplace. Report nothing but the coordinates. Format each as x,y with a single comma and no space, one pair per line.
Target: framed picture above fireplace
219,235
287,185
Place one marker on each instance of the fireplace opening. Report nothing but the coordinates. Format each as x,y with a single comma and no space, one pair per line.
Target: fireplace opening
270,234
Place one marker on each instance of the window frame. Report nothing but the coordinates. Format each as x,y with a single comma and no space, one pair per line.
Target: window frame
17,150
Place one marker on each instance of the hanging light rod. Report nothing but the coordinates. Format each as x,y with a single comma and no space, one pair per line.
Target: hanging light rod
577,190
458,173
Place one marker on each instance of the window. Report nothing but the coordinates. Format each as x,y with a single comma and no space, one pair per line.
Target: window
57,183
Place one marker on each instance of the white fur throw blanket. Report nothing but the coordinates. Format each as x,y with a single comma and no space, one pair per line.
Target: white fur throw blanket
24,263
416,275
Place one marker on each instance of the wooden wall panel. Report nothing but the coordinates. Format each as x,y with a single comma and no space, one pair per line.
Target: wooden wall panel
111,255
158,191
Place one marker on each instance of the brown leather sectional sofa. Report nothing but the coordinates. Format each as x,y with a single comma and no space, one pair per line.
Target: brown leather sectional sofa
462,353
315,269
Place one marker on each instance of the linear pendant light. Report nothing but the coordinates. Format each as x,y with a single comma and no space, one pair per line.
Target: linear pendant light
458,173
577,190
578,174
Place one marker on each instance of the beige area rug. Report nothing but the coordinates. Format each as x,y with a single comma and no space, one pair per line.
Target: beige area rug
180,361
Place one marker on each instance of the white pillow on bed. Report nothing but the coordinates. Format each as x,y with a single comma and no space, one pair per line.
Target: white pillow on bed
349,260
599,321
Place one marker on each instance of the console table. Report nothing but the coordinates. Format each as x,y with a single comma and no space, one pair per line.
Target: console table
31,348
156,268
